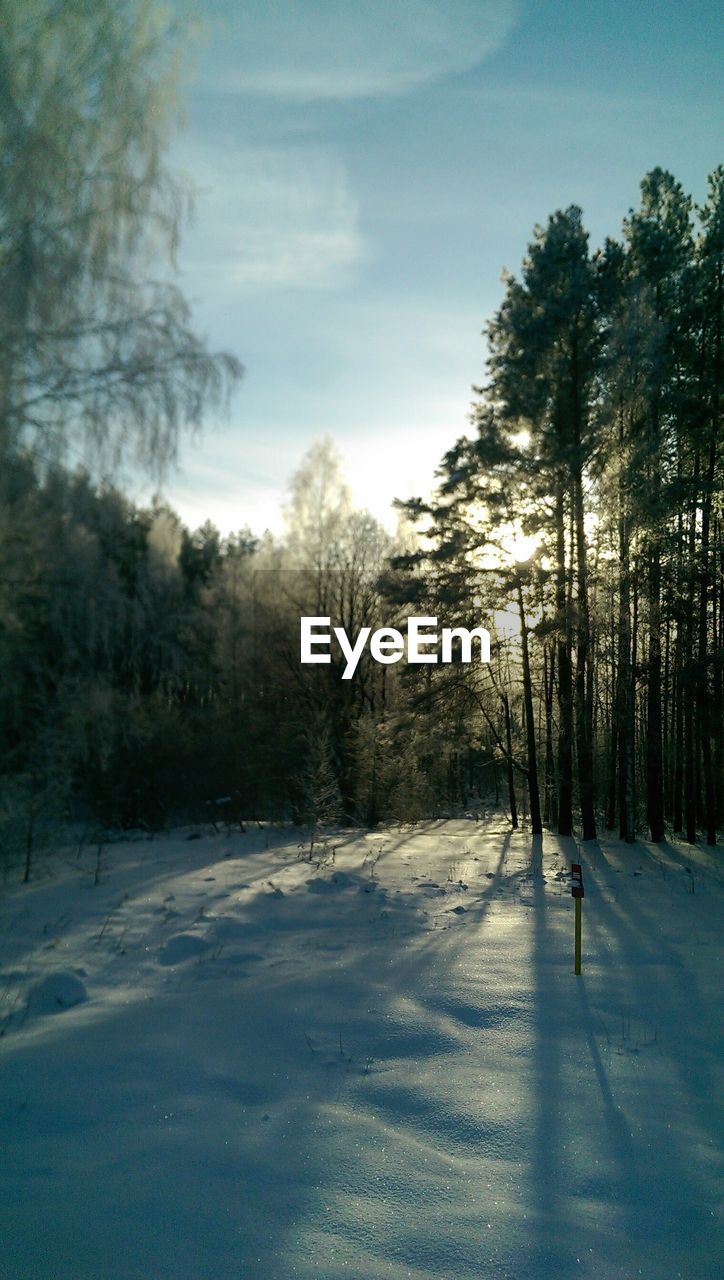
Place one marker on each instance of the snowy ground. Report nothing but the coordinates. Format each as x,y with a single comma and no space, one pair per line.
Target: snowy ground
380,1066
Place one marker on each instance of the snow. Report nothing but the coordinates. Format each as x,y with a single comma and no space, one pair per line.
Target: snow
224,1061
56,991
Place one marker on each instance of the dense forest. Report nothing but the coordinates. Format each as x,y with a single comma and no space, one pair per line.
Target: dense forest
150,674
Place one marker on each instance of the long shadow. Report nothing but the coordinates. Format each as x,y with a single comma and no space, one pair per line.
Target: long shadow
194,1163
319,1077
706,860
617,1127
646,1170
549,1176
665,990
635,932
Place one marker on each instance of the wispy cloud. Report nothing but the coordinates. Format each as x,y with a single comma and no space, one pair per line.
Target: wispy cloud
272,217
341,49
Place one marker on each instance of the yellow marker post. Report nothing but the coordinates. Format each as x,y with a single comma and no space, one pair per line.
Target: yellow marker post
577,893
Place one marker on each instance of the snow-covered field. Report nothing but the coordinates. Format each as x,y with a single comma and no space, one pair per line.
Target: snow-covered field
224,1062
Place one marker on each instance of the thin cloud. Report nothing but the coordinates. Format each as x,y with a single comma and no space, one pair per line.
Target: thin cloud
272,217
335,50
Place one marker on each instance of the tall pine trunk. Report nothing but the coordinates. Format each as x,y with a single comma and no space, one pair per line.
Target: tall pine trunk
565,691
584,700
625,701
509,762
536,824
703,682
654,757
550,808
688,691
625,693
654,761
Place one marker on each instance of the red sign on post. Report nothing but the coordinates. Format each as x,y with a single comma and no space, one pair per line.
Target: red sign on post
577,878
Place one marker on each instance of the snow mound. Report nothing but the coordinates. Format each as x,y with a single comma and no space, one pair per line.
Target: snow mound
56,992
340,880
182,946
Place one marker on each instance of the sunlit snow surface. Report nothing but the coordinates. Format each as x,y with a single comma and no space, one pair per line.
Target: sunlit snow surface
224,1062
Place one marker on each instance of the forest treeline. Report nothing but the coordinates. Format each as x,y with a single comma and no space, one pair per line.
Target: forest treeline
150,674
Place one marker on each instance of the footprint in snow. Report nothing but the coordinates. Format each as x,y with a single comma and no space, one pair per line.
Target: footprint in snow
181,947
56,992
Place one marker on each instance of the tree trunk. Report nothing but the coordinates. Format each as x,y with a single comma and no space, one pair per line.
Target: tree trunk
678,784
703,683
550,811
688,691
654,770
565,698
584,707
625,693
536,824
509,762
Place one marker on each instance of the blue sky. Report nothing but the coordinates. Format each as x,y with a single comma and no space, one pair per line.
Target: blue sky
365,170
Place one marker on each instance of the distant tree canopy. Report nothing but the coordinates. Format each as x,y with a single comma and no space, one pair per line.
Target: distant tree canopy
97,347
